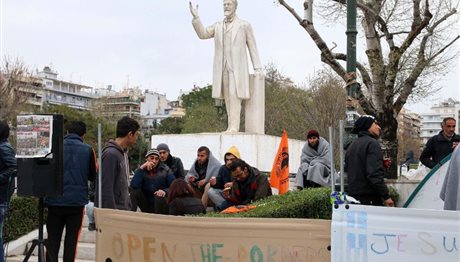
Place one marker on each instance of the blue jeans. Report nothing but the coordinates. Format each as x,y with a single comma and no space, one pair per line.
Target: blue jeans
3,210
216,197
89,210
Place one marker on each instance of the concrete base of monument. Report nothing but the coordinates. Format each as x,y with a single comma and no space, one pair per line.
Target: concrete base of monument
256,149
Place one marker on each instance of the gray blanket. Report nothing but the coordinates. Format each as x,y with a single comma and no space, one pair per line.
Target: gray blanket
212,169
315,164
450,191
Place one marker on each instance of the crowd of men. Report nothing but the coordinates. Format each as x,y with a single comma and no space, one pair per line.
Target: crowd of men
160,184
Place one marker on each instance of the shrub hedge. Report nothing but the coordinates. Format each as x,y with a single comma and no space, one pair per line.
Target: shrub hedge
22,217
308,203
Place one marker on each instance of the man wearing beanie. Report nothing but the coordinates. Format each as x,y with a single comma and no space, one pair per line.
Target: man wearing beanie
174,163
364,165
150,185
224,179
315,162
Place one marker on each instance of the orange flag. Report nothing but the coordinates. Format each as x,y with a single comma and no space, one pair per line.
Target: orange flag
279,177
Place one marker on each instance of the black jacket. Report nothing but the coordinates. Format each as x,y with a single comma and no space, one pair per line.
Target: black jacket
176,166
151,181
364,166
186,206
224,176
8,171
437,148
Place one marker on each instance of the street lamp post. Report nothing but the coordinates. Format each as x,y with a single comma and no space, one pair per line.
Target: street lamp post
351,113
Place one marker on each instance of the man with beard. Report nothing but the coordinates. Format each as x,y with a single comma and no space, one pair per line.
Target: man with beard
174,163
205,167
364,165
249,185
440,145
315,162
233,40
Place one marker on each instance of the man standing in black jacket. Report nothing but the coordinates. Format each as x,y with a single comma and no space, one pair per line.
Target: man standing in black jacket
364,165
440,145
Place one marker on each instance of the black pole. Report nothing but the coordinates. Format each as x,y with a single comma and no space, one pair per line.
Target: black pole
40,242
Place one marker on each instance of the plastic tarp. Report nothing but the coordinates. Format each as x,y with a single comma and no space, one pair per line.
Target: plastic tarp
426,194
368,233
133,236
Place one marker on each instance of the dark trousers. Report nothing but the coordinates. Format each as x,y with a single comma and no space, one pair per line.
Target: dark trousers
138,199
59,217
369,200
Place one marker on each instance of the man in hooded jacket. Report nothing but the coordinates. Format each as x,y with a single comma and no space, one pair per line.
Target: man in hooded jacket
364,165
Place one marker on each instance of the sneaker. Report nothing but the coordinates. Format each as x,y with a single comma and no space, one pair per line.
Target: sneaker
92,226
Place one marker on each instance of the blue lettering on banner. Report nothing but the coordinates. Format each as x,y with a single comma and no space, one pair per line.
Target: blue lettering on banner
387,247
454,244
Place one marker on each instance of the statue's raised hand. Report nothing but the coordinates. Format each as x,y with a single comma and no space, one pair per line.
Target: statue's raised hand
194,11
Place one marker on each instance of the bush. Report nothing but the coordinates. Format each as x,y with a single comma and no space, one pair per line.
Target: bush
22,217
308,203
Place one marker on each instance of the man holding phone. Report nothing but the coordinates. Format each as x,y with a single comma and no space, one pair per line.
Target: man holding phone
440,145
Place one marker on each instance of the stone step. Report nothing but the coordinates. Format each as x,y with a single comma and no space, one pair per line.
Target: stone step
85,251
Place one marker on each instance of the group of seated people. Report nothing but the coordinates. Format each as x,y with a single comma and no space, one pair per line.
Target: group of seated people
160,186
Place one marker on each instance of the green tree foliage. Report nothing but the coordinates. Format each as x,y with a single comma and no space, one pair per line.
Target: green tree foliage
108,130
171,125
201,113
91,121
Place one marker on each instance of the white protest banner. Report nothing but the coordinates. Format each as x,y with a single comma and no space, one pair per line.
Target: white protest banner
368,233
133,236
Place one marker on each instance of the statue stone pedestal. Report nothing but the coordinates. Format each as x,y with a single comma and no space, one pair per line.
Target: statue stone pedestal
254,113
256,149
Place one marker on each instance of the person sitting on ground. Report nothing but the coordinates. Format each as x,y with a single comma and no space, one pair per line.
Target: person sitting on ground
440,145
181,201
150,185
249,185
224,178
205,167
315,162
174,163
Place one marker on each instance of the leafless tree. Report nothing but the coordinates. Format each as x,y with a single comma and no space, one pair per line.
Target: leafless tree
16,83
408,47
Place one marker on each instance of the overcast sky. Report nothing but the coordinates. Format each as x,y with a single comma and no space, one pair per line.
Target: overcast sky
152,44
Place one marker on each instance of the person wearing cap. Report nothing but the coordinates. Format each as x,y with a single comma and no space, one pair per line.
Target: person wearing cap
224,179
150,184
174,163
205,167
364,165
315,162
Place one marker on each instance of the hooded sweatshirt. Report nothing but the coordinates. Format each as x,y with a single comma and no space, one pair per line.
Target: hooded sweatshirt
224,176
115,176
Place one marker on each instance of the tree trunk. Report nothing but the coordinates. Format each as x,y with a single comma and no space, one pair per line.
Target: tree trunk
389,141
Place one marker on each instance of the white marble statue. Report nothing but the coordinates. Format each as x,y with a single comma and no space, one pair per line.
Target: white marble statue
231,69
